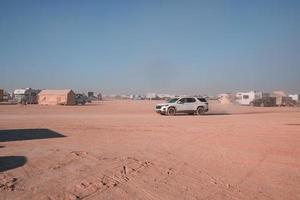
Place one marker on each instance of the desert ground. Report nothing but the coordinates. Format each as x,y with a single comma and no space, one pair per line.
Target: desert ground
124,150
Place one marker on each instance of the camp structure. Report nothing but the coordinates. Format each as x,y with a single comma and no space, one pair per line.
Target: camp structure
57,97
151,96
1,95
246,98
282,99
26,95
295,97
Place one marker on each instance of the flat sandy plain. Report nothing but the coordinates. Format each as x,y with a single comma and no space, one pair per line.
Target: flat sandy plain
124,150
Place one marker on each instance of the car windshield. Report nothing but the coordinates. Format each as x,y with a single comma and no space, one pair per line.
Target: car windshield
172,100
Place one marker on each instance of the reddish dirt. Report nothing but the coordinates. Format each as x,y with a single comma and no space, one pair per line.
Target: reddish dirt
124,150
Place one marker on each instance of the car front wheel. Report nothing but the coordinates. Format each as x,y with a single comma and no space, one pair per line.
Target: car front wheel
171,111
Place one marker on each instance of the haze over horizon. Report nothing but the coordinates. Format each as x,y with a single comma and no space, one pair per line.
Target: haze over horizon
190,47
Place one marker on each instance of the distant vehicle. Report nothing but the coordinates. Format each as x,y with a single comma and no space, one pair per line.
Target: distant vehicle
81,99
189,105
26,96
89,100
273,101
6,97
264,102
91,97
245,98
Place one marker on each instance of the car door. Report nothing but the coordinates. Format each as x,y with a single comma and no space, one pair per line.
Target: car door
190,104
181,105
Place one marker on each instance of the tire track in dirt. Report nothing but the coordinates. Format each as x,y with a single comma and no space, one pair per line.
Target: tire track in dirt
180,173
112,177
9,183
85,175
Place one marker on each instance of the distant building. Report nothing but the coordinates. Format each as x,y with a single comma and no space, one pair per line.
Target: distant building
151,96
57,97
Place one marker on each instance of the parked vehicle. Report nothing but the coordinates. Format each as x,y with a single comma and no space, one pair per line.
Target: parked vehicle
7,97
245,98
26,96
80,99
264,102
189,105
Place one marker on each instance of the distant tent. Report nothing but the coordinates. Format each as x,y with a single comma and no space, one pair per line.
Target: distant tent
279,94
282,99
56,97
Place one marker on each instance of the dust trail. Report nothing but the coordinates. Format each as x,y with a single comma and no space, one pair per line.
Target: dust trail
216,108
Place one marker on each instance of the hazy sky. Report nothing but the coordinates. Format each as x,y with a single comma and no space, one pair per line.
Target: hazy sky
192,47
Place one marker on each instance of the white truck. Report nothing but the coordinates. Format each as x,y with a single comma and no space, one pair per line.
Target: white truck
189,105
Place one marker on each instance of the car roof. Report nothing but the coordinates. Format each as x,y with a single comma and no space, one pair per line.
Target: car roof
190,97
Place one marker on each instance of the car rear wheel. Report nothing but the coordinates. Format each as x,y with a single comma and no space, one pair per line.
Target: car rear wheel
171,111
200,111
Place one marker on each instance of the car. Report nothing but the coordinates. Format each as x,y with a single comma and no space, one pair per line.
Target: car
189,105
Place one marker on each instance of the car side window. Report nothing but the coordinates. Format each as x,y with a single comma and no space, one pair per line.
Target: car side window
191,100
183,100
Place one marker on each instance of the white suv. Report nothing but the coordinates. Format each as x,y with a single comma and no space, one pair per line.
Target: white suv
190,105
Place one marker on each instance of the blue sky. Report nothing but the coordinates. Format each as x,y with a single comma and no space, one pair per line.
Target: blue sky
192,47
